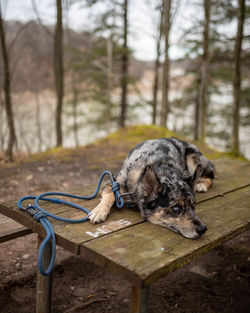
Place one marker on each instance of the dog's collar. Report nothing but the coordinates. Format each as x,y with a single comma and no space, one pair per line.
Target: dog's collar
128,200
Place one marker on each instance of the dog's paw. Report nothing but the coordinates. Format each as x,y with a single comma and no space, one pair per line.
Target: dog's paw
98,214
201,187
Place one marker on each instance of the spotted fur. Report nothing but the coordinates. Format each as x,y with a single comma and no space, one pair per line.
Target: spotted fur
163,175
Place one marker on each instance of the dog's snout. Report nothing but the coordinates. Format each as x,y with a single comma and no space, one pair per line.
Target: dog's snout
201,229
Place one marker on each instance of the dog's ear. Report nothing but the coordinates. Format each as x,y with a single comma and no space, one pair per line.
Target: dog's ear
150,184
196,176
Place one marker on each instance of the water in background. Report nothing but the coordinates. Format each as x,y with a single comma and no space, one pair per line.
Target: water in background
35,123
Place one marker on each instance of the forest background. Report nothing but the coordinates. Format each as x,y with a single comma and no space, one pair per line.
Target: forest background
72,71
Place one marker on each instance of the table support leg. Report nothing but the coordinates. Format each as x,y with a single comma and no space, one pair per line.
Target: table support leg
140,299
43,285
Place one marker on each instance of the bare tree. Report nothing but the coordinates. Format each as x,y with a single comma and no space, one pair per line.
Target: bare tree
38,121
39,20
166,6
203,80
59,72
156,70
237,78
197,108
124,70
7,91
2,135
75,102
109,43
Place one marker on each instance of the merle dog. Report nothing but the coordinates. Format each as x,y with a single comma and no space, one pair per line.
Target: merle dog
162,176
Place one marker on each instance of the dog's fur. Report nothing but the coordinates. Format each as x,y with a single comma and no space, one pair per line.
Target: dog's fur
163,175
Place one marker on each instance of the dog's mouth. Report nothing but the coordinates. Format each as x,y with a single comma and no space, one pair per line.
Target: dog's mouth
174,229
190,229
193,235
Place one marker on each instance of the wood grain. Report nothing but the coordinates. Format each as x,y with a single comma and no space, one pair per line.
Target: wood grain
9,229
145,252
232,174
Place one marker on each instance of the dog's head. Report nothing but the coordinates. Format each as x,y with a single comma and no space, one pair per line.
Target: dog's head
171,202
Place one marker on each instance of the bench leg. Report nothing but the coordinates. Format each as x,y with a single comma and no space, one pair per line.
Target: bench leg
43,285
140,299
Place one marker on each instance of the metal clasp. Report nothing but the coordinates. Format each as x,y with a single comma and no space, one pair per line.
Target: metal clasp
125,199
31,209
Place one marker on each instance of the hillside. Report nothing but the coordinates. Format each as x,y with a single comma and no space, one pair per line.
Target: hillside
31,55
73,168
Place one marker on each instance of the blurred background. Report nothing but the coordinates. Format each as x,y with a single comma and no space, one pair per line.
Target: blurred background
72,71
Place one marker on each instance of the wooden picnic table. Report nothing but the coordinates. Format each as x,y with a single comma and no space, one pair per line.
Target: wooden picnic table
139,251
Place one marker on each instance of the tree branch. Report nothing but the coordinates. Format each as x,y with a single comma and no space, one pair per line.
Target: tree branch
39,20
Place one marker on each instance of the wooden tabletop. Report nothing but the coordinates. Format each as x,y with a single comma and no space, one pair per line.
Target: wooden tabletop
142,252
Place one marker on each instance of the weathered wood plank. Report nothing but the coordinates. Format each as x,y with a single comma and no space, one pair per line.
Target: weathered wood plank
44,283
71,236
139,299
230,174
9,229
145,252
11,210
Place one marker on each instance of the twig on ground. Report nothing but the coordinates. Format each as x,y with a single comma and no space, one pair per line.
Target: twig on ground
84,305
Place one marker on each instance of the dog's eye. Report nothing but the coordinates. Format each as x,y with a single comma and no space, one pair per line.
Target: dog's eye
177,209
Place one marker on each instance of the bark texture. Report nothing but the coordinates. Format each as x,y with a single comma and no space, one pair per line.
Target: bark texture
124,69
156,72
237,78
165,73
7,91
201,107
59,72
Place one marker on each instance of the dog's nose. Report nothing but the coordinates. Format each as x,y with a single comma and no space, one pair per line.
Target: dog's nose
201,229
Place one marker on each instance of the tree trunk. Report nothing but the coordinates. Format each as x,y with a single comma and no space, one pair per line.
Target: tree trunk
204,79
197,107
58,72
1,122
165,74
124,70
7,91
38,122
237,78
110,80
75,104
156,72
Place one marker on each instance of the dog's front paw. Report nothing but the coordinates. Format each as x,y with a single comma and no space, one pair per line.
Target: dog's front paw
201,187
98,214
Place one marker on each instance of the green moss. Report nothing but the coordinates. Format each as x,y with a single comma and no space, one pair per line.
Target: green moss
121,141
134,134
238,157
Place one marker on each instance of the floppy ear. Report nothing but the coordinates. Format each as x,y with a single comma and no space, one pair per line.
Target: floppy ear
150,184
197,174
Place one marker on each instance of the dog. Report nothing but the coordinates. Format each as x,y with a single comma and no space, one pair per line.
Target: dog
162,176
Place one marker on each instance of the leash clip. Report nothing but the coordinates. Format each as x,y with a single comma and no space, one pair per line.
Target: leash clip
31,209
126,199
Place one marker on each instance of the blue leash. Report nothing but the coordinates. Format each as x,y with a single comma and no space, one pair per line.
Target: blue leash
42,215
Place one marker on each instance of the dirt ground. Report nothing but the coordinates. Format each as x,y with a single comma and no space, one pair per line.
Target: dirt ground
217,282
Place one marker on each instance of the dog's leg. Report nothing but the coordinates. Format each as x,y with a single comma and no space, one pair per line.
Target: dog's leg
203,184
100,213
208,172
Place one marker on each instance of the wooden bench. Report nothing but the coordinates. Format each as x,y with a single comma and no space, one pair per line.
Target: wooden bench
139,251
10,229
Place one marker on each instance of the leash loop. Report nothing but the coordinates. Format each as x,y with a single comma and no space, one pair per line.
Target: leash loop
38,215
118,199
41,215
